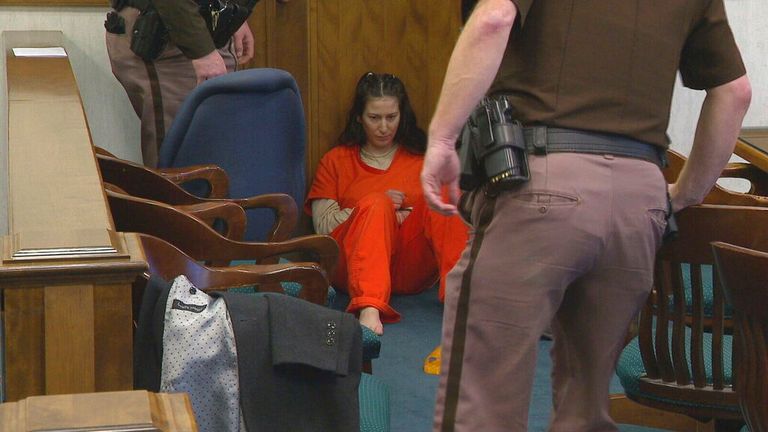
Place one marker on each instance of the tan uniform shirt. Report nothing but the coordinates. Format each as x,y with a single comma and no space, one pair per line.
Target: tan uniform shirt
622,82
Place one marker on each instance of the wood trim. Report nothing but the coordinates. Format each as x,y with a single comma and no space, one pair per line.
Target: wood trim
55,3
69,339
752,145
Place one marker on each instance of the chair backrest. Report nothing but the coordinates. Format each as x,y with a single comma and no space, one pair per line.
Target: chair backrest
757,178
744,275
674,325
251,124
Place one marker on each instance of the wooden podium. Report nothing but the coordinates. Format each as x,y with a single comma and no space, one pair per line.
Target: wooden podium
134,411
65,276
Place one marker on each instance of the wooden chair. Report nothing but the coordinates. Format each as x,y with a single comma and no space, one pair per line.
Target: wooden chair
202,243
681,360
140,181
214,177
744,276
756,196
168,261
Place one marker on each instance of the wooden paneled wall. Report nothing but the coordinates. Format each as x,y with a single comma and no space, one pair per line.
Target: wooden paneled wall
328,44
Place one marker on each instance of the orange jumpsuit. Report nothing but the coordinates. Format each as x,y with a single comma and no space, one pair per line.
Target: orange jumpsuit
377,256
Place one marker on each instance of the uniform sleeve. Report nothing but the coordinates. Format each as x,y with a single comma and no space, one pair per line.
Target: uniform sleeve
710,56
327,215
326,182
186,27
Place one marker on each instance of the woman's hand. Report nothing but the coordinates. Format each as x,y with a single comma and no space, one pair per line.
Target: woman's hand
397,198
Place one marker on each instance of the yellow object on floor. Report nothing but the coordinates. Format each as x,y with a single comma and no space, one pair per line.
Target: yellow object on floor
432,362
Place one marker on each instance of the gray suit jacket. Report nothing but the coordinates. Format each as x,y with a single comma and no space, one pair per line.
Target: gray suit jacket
299,364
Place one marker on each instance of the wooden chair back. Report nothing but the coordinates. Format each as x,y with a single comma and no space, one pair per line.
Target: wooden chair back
214,177
672,330
143,182
202,243
138,180
168,261
744,275
758,179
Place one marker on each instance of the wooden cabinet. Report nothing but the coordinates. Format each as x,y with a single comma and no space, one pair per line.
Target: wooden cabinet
110,411
65,275
328,44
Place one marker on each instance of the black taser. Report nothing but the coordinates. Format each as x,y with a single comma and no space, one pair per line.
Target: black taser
502,144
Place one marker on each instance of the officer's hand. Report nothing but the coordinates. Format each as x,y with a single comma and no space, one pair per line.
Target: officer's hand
397,198
209,66
243,39
441,168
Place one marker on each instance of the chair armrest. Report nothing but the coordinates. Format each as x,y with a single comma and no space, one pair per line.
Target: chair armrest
230,213
316,248
168,261
284,207
312,278
215,176
757,177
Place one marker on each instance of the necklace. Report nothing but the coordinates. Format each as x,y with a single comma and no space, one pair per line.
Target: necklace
384,155
380,161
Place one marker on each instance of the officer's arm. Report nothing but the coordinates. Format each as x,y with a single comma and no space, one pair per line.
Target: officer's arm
473,66
716,133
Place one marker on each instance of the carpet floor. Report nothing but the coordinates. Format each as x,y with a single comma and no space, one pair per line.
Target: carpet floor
406,344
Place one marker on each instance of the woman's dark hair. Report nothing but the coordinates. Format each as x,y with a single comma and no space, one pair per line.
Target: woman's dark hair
373,85
466,9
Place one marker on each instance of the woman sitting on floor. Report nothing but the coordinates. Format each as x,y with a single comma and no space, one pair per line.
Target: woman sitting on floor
367,195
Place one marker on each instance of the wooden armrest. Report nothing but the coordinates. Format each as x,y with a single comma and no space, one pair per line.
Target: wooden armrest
167,261
230,213
286,213
101,151
201,242
757,177
215,176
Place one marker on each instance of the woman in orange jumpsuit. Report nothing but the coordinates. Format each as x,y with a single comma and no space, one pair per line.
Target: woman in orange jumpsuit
367,195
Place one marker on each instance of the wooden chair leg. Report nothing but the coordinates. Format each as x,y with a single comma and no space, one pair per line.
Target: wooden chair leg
728,425
626,411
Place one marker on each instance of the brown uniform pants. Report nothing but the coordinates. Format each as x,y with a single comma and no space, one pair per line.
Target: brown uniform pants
156,89
573,247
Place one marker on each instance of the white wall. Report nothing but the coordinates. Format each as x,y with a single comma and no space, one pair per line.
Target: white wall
114,125
749,21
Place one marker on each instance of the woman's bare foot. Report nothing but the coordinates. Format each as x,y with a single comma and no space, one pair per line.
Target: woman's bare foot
369,317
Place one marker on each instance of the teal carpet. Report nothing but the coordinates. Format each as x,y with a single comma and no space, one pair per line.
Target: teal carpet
406,344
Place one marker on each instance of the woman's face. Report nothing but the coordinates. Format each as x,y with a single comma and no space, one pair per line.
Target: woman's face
380,119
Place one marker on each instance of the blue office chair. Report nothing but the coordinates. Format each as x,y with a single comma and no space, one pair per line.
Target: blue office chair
251,124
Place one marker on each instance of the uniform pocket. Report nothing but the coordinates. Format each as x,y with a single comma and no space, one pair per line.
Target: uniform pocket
537,198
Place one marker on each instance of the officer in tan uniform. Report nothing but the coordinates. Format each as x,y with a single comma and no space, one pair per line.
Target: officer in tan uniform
591,82
156,88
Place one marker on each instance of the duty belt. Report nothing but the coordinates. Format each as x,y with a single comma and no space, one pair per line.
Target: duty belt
542,140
